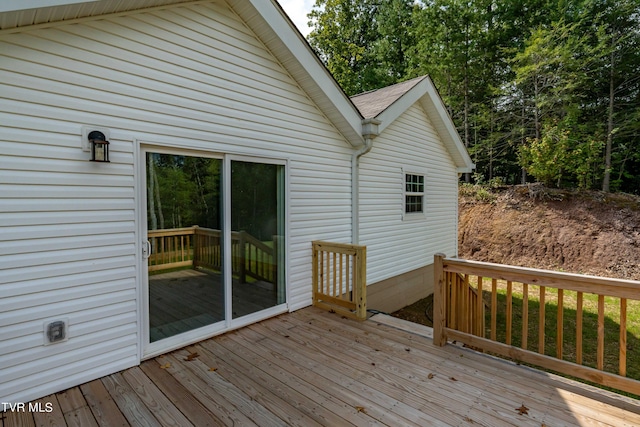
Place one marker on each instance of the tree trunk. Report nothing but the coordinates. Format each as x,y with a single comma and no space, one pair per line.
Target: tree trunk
606,181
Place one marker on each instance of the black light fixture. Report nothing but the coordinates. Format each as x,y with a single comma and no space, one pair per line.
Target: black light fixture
99,147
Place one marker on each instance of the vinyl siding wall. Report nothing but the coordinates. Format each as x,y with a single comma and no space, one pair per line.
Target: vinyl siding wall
189,76
396,245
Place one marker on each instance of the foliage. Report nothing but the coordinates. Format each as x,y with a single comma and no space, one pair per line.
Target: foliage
518,77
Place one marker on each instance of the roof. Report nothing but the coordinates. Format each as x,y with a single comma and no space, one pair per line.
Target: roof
374,102
387,104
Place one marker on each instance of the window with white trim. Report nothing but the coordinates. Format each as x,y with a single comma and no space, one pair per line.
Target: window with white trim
413,193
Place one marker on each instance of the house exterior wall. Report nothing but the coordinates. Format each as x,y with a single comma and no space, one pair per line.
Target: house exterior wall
397,243
190,76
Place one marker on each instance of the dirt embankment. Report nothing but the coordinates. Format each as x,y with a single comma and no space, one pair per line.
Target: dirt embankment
579,232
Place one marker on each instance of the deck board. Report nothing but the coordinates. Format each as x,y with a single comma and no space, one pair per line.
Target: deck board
312,367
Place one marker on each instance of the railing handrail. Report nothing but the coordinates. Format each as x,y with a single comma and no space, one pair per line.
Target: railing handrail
555,279
184,231
445,300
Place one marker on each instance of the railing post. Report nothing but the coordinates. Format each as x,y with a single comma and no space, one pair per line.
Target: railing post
360,287
439,313
243,258
196,246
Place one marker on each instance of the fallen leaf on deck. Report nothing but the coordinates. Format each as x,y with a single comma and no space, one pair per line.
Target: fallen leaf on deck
523,410
430,376
213,369
191,356
469,420
165,366
361,409
453,379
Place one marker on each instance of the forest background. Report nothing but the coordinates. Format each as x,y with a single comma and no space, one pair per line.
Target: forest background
539,90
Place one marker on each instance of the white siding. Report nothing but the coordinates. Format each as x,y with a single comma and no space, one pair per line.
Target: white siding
189,76
396,245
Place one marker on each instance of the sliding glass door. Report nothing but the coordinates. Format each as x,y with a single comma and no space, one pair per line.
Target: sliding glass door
185,265
257,223
214,244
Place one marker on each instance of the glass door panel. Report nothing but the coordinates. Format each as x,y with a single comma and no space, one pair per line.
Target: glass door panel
184,221
257,236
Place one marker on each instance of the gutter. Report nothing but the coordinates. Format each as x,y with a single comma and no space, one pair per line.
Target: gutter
369,132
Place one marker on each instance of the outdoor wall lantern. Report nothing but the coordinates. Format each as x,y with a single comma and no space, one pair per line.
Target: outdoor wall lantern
99,147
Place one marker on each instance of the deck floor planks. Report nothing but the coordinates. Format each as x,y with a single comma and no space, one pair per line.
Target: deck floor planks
50,419
75,408
314,368
154,399
102,406
18,419
304,380
180,395
412,378
238,408
530,382
494,399
533,382
303,402
378,392
257,385
130,404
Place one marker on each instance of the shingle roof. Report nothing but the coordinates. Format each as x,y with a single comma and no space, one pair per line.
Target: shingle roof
372,103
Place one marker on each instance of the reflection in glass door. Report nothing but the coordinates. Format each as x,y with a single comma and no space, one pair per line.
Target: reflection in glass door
257,236
211,258
186,265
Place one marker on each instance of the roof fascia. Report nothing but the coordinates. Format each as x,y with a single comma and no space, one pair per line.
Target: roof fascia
297,56
426,94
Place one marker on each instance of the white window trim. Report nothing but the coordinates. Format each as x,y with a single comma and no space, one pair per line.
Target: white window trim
413,215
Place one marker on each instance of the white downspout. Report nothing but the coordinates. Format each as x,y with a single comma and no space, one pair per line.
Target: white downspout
369,131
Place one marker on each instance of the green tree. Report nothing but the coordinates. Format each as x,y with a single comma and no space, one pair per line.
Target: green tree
362,43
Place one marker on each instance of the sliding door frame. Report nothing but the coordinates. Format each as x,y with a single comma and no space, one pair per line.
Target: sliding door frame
151,349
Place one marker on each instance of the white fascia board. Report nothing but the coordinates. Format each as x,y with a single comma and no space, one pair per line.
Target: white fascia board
452,137
16,5
317,72
425,92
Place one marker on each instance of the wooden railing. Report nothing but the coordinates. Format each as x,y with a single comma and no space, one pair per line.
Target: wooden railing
542,285
202,247
339,278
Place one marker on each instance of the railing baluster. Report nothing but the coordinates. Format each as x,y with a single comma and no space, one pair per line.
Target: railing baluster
525,315
479,310
494,308
335,274
560,324
579,329
454,301
340,293
600,356
622,358
541,320
509,310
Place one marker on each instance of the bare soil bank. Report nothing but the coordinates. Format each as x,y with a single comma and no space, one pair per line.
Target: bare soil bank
575,231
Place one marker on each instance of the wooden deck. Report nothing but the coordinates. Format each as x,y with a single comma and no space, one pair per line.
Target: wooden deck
313,368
